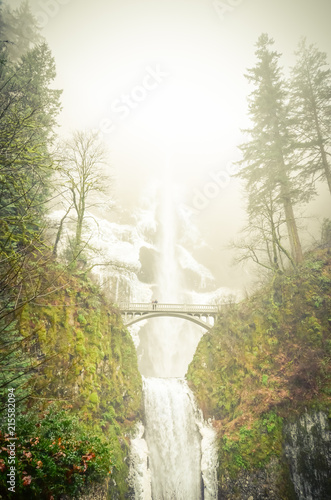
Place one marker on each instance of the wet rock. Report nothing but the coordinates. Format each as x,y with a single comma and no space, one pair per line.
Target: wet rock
303,473
307,449
254,485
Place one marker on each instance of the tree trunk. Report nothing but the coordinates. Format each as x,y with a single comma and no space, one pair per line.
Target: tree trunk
59,232
274,261
79,228
78,236
291,226
325,164
288,207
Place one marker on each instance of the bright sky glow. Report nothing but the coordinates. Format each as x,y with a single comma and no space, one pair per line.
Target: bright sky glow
193,110
102,49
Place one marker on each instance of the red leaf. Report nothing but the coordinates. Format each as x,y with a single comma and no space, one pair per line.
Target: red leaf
27,480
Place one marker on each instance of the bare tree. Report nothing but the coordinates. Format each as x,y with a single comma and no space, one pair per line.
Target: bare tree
262,237
82,180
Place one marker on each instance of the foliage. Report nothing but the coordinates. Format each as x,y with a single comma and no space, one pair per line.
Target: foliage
89,362
311,113
252,447
287,153
267,169
28,108
19,31
27,115
55,454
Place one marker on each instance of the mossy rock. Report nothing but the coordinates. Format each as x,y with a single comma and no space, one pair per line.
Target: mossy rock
94,398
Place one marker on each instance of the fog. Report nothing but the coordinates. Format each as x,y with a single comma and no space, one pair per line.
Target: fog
163,81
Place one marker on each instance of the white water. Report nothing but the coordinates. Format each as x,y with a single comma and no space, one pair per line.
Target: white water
174,457
173,440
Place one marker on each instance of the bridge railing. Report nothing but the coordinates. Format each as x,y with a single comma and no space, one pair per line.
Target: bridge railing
188,308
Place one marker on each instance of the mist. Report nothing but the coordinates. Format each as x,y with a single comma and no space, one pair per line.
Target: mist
163,84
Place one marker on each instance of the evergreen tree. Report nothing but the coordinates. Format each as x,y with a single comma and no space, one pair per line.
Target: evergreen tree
18,31
28,108
268,170
311,108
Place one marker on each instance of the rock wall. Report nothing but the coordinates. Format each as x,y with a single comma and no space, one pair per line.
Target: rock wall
307,447
90,362
302,472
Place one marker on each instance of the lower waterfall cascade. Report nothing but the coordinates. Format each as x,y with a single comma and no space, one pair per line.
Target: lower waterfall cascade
174,457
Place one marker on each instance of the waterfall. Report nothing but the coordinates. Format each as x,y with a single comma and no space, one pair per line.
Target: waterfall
173,440
173,456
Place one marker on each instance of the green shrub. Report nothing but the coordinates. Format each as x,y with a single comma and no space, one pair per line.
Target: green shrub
55,455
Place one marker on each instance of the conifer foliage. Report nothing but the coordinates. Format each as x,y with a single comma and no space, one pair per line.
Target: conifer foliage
267,158
28,109
311,108
287,152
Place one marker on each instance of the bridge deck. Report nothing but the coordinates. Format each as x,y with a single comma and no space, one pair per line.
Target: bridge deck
200,309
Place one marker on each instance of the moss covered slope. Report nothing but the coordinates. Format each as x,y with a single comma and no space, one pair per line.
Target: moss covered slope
88,364
266,359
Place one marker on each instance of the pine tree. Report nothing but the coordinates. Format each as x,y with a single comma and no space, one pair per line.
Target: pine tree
267,170
18,31
28,108
311,108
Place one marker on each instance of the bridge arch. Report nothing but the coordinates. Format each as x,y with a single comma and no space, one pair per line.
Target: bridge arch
189,317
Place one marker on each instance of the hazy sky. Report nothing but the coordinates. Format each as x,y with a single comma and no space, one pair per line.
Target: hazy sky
164,82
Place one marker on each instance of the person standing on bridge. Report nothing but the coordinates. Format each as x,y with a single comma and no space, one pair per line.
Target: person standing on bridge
154,304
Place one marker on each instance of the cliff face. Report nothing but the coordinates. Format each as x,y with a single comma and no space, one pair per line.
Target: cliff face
264,365
307,448
89,365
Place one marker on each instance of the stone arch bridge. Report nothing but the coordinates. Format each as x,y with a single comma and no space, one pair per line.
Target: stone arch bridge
196,313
